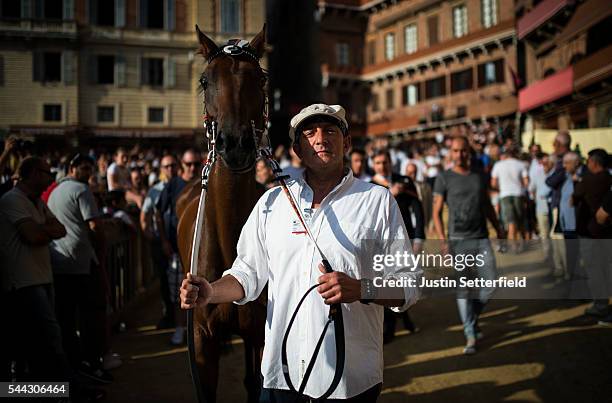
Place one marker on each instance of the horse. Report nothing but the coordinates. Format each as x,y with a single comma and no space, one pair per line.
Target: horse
234,97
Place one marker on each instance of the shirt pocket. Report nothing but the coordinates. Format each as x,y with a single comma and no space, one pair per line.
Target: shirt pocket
354,245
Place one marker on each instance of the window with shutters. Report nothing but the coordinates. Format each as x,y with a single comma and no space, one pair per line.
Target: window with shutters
152,71
371,57
432,30
230,16
410,94
410,38
489,13
52,112
169,72
152,14
53,9
105,15
10,9
51,67
389,95
491,73
461,111
435,87
155,115
120,71
342,54
106,114
375,103
106,69
462,80
389,46
460,22
68,67
109,13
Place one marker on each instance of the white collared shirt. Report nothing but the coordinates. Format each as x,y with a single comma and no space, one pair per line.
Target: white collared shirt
273,250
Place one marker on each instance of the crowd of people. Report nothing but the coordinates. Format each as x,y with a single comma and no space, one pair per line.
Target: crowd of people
54,207
525,195
56,212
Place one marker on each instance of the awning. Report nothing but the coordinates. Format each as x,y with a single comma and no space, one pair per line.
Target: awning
41,130
539,15
547,90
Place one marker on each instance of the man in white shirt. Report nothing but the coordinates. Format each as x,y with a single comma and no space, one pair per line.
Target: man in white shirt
274,250
511,177
117,174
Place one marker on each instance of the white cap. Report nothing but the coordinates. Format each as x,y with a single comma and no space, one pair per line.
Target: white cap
336,112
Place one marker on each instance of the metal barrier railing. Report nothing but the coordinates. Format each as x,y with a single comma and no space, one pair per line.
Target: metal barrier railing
128,265
118,264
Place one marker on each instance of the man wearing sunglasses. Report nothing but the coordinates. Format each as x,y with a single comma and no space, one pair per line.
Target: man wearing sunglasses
149,219
27,227
191,164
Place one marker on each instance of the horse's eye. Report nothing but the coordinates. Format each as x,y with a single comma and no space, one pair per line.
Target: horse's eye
203,82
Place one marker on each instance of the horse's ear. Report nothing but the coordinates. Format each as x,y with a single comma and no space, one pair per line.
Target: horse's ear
259,42
207,45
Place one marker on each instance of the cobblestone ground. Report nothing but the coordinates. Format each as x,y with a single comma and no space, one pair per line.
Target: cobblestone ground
533,351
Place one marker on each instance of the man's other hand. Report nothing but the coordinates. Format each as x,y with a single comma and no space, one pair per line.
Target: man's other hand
195,291
336,287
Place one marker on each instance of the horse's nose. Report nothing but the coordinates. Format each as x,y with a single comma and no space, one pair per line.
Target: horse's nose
226,141
237,147
235,140
247,142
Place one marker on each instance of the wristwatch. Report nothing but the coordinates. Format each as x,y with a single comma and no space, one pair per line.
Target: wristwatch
368,291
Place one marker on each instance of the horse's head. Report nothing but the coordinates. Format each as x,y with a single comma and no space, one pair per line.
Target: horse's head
234,97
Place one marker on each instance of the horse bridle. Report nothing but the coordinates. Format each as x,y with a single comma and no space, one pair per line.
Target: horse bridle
236,48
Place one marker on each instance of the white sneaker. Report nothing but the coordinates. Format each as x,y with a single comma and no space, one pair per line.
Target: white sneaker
111,361
470,346
178,337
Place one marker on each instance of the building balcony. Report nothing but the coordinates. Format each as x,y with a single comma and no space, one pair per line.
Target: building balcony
453,109
39,28
544,20
593,69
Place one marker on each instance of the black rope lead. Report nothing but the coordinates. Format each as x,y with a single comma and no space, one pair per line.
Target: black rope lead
335,316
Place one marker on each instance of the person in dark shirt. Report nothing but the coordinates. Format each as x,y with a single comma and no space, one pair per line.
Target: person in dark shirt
604,217
167,220
555,181
588,197
405,193
464,190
